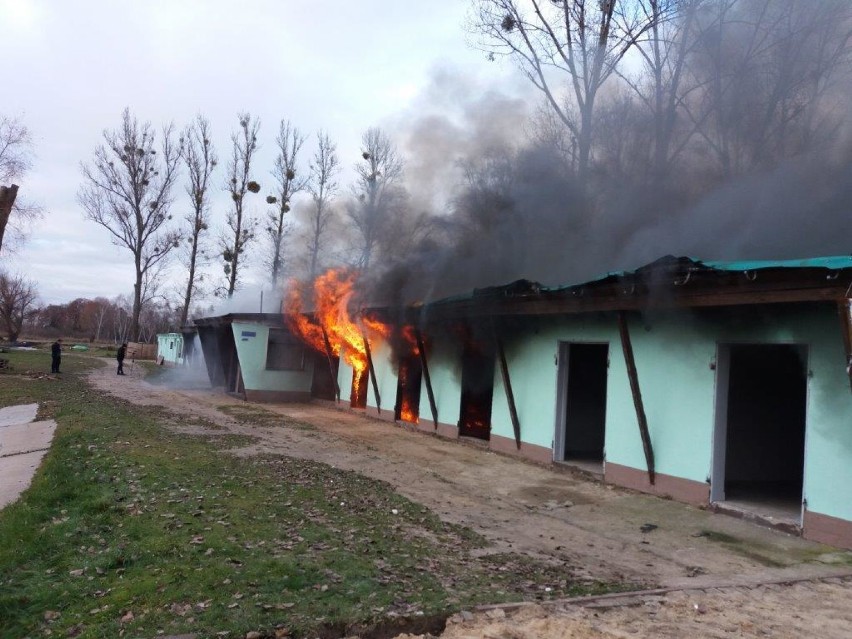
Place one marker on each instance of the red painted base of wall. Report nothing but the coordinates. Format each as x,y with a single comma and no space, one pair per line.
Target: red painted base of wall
277,396
508,446
428,426
692,492
827,530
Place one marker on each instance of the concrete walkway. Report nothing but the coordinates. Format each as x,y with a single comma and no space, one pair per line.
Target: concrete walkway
23,443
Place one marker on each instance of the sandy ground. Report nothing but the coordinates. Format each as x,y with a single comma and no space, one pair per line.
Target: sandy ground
722,576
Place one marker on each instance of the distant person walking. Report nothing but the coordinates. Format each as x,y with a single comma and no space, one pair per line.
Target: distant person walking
55,356
122,351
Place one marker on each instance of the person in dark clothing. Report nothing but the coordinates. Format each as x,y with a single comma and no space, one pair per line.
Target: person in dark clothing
55,356
122,351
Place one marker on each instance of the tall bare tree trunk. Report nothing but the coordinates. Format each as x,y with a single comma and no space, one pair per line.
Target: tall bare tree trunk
137,300
7,201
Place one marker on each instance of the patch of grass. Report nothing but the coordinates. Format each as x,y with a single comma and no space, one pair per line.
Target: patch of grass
720,537
131,528
744,548
253,415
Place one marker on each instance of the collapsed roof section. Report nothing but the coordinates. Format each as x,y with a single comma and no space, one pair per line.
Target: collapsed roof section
670,282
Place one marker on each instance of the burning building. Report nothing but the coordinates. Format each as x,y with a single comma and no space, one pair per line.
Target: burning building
256,357
724,384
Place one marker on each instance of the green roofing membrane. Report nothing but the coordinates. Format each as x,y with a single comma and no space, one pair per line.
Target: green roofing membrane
833,263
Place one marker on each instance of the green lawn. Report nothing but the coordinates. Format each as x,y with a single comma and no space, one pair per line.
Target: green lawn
130,528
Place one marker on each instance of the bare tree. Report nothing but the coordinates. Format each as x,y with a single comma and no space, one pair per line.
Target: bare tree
15,161
157,318
200,159
766,70
240,228
122,319
101,308
323,187
288,182
377,191
578,42
127,190
15,149
662,86
17,299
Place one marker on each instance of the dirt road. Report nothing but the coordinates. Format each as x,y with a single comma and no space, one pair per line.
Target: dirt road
592,530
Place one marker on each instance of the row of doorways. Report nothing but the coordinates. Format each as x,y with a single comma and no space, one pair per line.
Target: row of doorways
759,436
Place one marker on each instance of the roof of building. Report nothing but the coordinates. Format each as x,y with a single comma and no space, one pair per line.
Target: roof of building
265,319
667,282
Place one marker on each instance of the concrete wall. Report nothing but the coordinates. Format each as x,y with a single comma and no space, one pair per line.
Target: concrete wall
251,341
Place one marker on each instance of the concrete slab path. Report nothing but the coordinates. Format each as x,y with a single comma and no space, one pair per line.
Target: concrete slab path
22,414
23,443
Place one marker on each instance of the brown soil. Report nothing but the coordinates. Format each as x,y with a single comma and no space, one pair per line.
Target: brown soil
711,565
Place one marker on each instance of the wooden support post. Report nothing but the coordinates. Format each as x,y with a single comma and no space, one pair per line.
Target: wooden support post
421,348
372,373
627,347
331,370
507,384
843,310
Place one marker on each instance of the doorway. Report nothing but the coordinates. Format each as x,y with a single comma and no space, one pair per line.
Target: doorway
407,406
477,390
358,393
324,382
759,444
581,411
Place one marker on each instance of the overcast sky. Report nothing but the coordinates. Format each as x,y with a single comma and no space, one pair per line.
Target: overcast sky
69,68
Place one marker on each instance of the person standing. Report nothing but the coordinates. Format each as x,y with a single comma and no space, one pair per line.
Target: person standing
55,355
122,351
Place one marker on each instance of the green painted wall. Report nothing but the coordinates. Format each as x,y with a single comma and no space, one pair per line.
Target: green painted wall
170,347
533,367
674,355
344,380
251,340
386,375
443,357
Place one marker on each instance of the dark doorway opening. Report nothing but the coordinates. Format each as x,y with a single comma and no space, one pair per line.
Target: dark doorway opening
232,373
407,406
585,402
324,382
477,390
358,394
765,434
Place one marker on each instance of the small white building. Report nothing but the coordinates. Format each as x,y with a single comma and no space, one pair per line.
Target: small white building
170,348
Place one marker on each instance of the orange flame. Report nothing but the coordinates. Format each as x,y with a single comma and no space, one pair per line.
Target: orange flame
408,413
411,337
332,326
